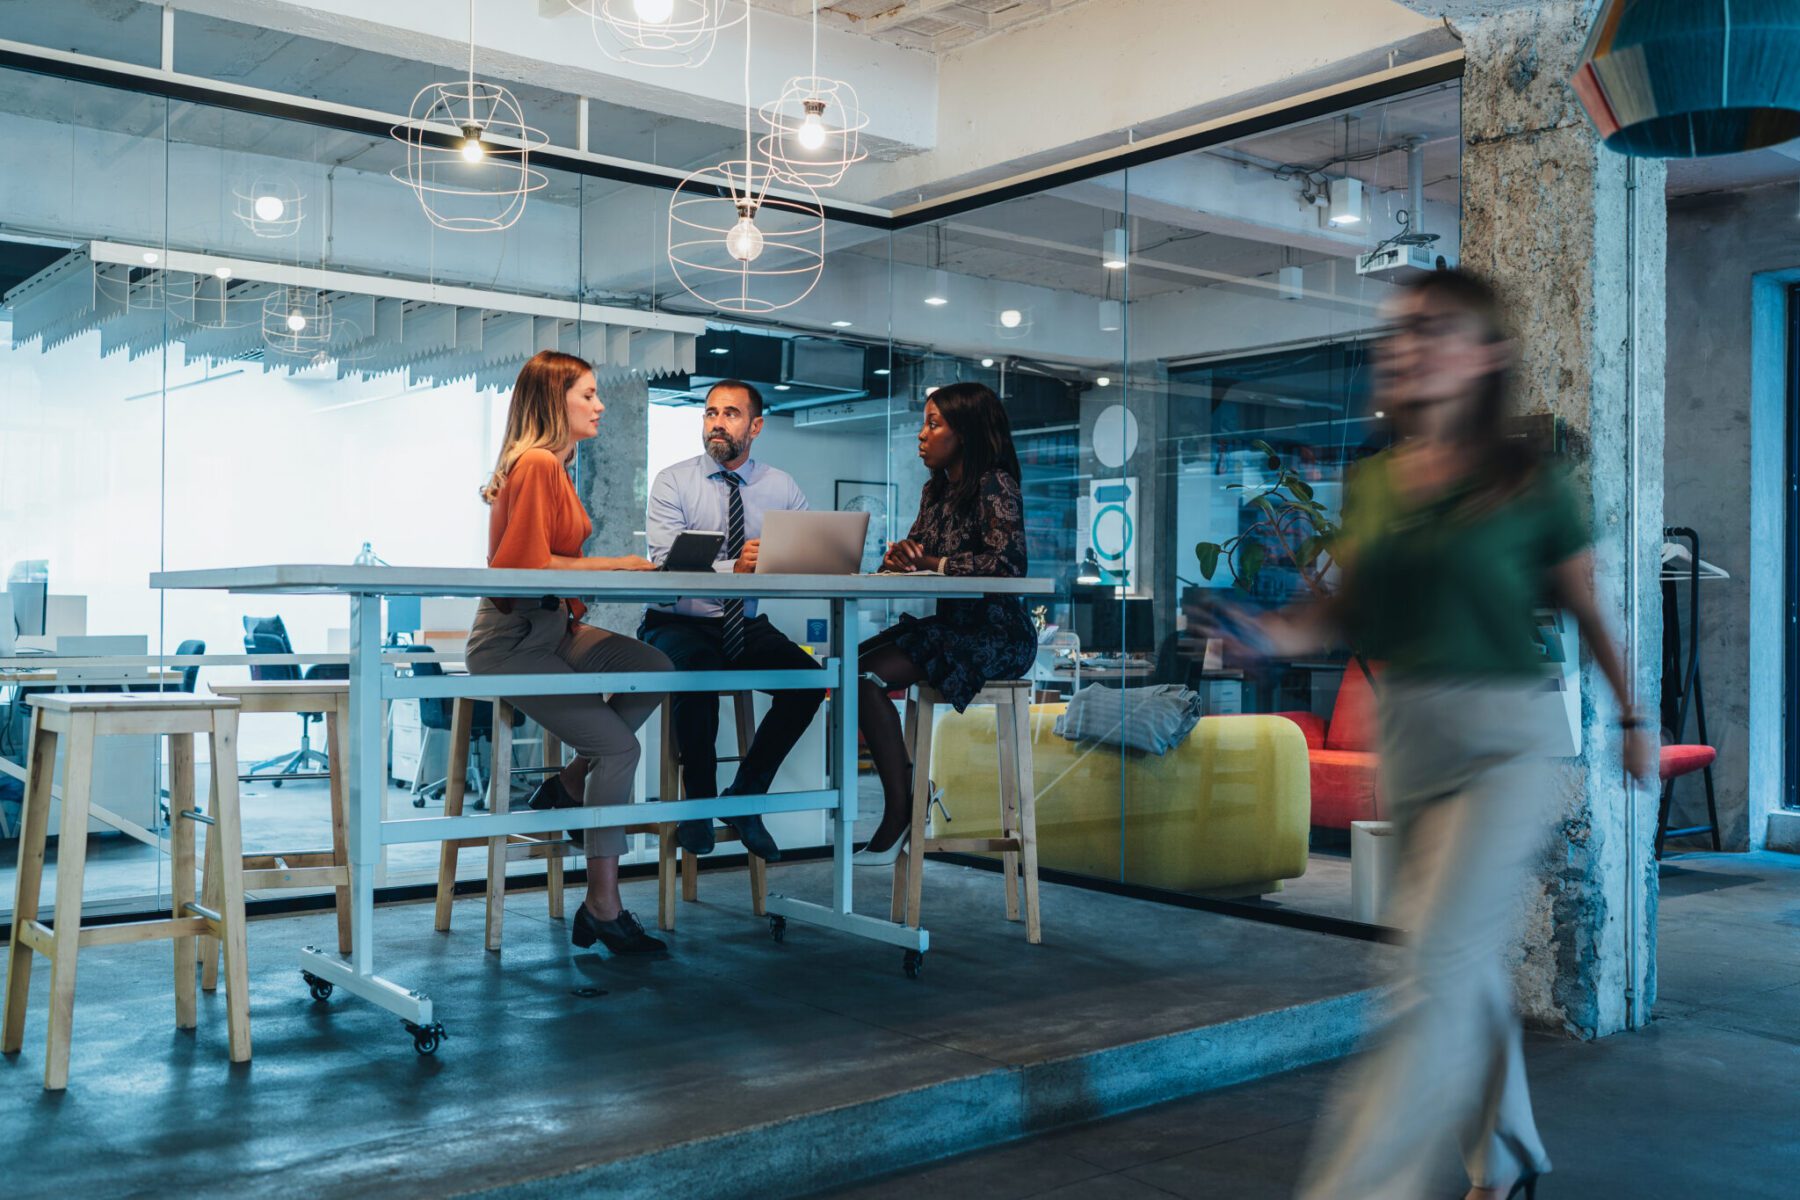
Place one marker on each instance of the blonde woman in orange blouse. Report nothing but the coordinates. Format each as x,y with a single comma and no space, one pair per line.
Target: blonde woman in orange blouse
536,522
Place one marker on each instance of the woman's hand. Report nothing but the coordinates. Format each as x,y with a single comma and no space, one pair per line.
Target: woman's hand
1640,754
905,555
628,562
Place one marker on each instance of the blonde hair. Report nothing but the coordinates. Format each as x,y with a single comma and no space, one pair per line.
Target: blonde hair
538,418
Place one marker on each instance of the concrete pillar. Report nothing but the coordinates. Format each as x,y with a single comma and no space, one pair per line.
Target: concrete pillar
611,478
1547,217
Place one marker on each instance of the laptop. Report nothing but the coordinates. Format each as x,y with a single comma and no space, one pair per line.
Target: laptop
812,543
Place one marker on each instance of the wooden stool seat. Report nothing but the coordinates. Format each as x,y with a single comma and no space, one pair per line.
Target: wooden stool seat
1017,843
275,870
82,719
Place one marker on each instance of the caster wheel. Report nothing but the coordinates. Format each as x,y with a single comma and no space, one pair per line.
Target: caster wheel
276,783
778,927
321,989
426,1038
418,802
912,964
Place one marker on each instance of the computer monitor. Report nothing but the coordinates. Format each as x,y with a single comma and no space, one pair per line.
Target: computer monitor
1108,625
28,600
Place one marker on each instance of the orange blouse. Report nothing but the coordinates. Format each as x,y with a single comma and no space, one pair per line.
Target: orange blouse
537,514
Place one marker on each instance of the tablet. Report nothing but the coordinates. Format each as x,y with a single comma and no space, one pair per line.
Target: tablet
694,550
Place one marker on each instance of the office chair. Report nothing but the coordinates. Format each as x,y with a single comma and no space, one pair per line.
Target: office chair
190,676
268,635
434,714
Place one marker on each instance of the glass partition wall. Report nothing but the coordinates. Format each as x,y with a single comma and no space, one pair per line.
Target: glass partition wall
229,338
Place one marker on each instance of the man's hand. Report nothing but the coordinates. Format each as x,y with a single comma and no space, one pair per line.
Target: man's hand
746,563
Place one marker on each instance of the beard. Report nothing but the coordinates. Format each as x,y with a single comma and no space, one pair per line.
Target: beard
722,448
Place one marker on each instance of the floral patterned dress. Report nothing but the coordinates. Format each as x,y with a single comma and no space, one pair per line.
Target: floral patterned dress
970,642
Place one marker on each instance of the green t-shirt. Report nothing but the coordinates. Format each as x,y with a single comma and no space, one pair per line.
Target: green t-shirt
1449,587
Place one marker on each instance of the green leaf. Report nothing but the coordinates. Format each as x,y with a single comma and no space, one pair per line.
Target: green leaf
1249,563
1300,487
1208,554
1262,502
1267,449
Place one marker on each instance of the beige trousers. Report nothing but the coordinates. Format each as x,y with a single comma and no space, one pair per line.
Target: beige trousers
601,729
1469,796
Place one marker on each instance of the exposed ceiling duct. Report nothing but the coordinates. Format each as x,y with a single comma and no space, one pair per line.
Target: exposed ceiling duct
140,299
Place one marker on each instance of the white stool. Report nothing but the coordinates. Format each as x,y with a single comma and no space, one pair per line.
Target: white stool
1017,843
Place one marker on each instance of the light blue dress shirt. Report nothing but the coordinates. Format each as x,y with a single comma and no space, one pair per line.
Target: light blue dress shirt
693,495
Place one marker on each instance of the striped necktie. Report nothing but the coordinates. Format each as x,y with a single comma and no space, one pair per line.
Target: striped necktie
734,547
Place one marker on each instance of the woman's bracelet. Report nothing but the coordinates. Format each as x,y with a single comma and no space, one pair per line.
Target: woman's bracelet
1633,721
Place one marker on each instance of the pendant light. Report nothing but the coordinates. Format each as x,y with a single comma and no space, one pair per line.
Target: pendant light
269,205
736,244
815,128
296,321
1691,78
659,33
477,179
1115,249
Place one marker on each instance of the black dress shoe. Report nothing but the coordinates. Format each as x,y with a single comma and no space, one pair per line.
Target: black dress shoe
696,837
621,935
755,836
552,794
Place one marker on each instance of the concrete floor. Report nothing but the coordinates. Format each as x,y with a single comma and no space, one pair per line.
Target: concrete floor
1699,1104
805,1063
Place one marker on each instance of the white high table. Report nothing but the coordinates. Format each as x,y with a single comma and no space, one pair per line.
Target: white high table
372,683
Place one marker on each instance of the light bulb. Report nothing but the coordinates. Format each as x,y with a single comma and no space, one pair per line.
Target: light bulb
654,12
745,241
1011,318
472,149
222,272
151,256
270,208
1103,381
987,362
811,134
296,322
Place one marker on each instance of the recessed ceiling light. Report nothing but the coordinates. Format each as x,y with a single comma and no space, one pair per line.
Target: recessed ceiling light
782,387
987,362
721,350
840,324
929,392
881,370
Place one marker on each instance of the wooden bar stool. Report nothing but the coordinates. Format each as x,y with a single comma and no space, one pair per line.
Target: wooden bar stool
297,868
82,718
671,786
501,850
1017,843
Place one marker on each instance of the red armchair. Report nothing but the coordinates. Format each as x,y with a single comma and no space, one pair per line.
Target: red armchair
1343,754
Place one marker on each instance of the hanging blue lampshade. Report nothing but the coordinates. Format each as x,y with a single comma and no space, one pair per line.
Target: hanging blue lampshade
1691,78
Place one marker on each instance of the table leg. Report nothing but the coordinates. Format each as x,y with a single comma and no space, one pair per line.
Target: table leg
840,914
367,776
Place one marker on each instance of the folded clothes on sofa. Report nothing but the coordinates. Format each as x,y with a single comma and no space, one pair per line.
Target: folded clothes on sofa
1156,719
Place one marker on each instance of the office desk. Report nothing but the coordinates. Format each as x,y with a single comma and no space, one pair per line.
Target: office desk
372,683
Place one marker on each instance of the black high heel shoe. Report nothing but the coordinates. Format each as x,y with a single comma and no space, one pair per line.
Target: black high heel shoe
621,935
1525,1185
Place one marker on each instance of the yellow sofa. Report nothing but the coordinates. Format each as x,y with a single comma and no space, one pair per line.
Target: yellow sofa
1223,814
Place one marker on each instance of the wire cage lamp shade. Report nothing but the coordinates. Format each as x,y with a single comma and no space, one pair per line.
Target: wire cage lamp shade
814,131
468,156
660,33
269,206
1692,78
738,246
296,320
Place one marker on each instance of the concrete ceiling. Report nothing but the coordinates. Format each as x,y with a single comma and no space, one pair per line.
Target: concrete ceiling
934,25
